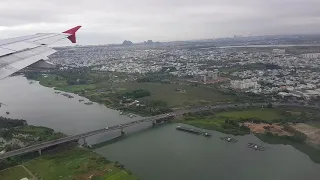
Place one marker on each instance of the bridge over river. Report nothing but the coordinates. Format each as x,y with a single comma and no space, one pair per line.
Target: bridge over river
153,119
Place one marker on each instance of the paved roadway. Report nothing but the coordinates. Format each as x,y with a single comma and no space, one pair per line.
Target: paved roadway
47,144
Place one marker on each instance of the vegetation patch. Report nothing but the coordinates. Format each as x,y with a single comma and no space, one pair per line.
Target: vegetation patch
14,173
76,163
267,114
168,93
208,120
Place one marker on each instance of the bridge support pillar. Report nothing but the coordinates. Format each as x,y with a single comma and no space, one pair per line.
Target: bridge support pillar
84,141
154,123
122,132
39,151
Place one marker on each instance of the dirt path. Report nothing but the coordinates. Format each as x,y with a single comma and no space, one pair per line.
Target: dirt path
312,133
30,173
274,129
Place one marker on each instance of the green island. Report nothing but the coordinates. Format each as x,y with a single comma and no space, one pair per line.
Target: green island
132,93
66,161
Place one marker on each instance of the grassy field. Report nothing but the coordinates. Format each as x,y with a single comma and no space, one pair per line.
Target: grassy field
217,121
263,114
166,92
77,88
217,124
77,164
43,133
103,90
14,173
51,81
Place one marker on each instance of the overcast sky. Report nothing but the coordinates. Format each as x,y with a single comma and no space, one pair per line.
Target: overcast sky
113,21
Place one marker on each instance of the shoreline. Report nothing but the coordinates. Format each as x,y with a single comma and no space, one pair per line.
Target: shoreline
41,165
72,161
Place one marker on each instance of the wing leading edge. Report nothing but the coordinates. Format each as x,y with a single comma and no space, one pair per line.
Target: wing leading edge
18,53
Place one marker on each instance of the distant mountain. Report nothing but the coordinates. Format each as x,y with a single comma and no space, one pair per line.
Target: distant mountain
150,42
127,43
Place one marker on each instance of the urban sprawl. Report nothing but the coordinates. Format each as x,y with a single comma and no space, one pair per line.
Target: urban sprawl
282,71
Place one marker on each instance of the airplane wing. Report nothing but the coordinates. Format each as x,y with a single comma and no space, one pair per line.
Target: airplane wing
18,53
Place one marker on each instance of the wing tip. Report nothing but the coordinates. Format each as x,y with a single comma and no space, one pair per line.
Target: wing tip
72,33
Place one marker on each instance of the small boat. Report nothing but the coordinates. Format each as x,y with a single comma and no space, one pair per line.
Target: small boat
121,113
131,116
229,139
256,147
206,134
180,128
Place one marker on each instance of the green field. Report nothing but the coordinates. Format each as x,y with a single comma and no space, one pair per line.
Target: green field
43,133
217,124
14,173
51,81
109,91
76,164
263,114
166,92
218,121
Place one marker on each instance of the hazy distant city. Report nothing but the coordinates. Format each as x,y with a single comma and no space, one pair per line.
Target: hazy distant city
269,65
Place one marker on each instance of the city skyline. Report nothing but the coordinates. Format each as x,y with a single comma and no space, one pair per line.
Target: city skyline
107,22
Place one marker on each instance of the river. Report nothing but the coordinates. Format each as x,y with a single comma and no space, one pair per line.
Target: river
155,153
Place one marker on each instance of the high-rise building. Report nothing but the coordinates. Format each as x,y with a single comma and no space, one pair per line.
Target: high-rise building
311,55
204,79
244,84
278,52
213,75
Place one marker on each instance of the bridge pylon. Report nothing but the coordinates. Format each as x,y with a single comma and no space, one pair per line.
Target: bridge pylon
154,123
39,151
122,132
85,142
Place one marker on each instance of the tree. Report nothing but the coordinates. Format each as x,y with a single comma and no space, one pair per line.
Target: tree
158,103
303,114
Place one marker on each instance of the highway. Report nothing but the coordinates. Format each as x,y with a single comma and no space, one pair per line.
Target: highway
47,144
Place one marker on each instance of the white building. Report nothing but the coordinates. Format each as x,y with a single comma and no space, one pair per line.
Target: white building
278,51
311,55
244,84
213,75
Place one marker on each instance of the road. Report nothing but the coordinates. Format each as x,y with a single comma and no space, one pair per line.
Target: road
47,144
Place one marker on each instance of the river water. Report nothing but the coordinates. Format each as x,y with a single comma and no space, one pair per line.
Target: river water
159,153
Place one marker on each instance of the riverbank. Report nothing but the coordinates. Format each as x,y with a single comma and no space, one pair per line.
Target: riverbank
16,133
72,163
280,122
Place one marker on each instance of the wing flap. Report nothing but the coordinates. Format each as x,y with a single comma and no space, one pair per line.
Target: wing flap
50,39
18,46
4,52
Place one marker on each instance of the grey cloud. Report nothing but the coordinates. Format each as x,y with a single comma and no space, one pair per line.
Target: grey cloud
108,21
